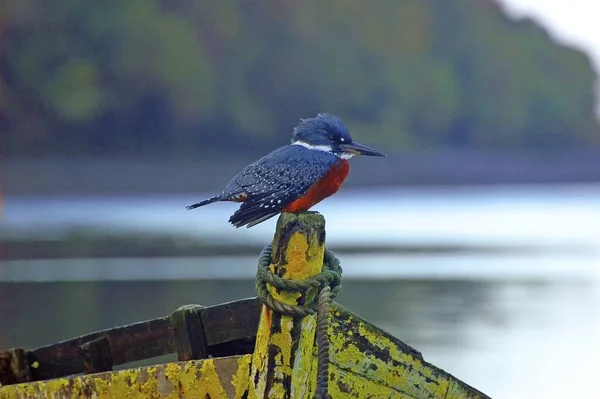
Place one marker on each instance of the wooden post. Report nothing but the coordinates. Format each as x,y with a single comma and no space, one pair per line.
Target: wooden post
190,339
14,367
282,361
96,355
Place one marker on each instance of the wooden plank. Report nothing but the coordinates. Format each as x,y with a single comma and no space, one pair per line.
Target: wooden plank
209,378
284,345
221,324
231,321
346,385
360,348
128,343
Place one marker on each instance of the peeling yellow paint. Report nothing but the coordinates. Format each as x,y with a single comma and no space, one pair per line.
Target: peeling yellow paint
302,385
298,267
260,355
148,384
101,387
57,385
302,259
278,391
343,384
240,379
283,341
211,380
193,379
386,363
252,390
365,362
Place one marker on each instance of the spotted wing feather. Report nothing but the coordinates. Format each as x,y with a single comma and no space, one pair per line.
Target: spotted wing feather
275,181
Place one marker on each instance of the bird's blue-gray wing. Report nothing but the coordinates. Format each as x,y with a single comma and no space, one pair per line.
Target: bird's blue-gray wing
275,181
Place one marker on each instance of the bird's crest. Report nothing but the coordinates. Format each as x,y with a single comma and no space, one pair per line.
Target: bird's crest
324,129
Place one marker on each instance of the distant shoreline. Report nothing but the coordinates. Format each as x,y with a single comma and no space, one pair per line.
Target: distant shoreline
101,245
156,175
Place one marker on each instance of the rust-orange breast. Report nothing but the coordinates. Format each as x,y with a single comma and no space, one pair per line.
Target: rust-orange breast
323,188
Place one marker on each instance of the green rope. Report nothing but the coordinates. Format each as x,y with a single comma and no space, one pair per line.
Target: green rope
323,343
328,284
331,276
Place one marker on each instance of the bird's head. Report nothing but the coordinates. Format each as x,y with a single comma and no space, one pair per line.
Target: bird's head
327,133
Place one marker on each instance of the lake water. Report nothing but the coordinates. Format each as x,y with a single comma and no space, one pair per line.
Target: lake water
514,325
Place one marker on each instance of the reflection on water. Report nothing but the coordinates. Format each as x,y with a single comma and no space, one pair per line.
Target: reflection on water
507,338
547,215
514,325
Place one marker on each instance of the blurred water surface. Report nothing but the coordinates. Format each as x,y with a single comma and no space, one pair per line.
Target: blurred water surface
514,325
547,215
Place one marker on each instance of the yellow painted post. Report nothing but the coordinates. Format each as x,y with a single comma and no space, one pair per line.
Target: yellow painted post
283,356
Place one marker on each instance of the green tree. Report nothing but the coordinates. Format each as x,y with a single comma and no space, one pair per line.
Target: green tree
155,76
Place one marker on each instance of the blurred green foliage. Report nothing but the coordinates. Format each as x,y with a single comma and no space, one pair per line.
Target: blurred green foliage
178,75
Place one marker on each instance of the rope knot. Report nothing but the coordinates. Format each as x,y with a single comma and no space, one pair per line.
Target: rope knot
330,277
327,282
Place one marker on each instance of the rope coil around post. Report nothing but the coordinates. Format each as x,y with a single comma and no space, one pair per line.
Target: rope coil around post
328,284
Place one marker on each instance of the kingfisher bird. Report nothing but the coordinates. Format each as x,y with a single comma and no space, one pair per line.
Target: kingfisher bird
296,176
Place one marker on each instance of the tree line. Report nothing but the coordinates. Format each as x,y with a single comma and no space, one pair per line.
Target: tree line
155,76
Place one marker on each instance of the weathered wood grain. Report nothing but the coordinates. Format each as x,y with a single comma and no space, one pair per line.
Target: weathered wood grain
361,349
365,361
225,377
190,339
281,363
96,356
231,321
14,367
130,343
223,329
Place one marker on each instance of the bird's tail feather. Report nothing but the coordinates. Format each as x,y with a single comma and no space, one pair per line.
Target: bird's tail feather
260,220
205,202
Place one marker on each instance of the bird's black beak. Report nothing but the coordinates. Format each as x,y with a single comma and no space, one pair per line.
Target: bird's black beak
360,149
